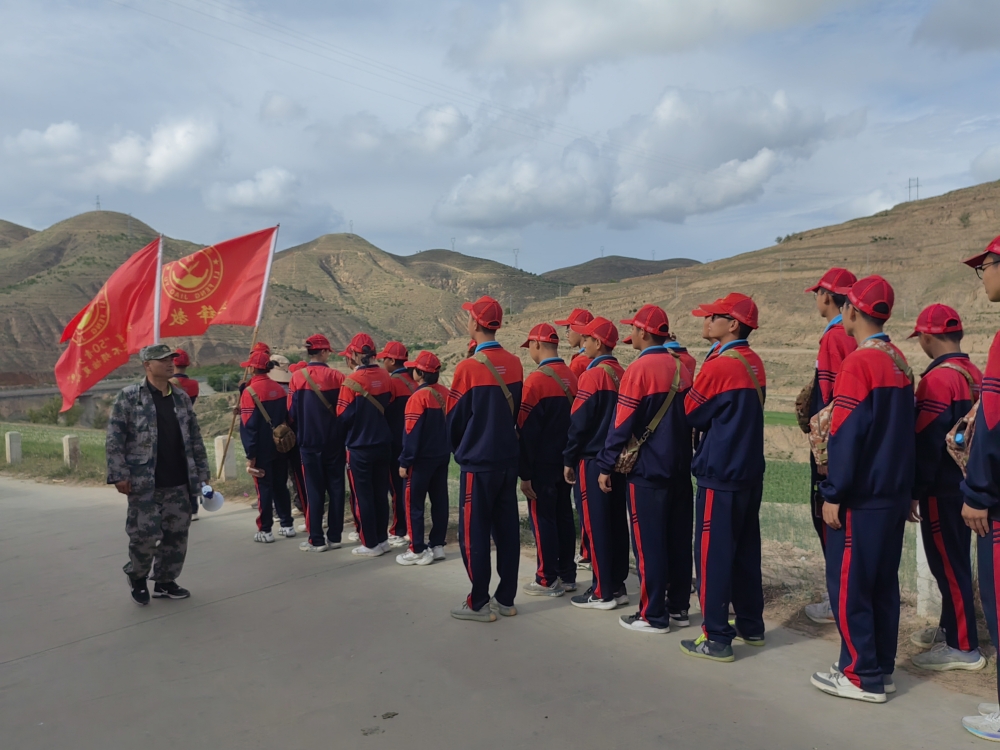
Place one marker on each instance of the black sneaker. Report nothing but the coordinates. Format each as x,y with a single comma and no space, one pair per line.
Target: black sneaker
169,590
680,619
140,591
587,600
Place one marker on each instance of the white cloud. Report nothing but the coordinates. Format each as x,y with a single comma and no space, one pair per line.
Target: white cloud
278,109
986,166
964,25
58,138
436,128
270,189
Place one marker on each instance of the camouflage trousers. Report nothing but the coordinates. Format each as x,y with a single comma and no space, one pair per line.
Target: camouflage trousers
157,527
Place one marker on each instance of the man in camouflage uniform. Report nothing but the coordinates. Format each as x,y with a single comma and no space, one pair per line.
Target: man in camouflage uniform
156,458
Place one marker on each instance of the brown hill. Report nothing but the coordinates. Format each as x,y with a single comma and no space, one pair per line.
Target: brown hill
614,268
11,233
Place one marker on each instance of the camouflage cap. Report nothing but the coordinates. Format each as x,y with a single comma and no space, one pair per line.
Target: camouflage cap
156,351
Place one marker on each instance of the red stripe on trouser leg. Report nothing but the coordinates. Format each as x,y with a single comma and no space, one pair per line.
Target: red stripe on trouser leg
706,528
949,574
995,540
539,556
845,626
409,517
305,497
395,506
584,505
256,485
357,508
467,526
641,560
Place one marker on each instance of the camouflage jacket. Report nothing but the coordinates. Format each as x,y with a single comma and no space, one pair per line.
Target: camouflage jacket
131,439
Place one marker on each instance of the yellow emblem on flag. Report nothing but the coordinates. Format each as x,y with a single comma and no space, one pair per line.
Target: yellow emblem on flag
194,278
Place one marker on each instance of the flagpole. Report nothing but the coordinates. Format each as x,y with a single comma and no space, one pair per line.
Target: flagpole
253,343
156,290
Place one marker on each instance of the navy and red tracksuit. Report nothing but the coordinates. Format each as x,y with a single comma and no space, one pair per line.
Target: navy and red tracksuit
981,488
834,346
603,517
368,442
425,456
319,437
658,490
728,465
543,421
191,388
258,444
871,468
402,386
943,397
579,362
482,429
689,362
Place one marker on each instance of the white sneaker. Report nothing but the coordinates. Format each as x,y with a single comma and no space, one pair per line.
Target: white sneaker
301,527
354,536
306,546
636,623
984,727
287,531
927,637
384,546
621,598
821,612
397,541
438,552
888,683
985,709
296,512
836,683
536,589
415,558
333,545
364,551
263,536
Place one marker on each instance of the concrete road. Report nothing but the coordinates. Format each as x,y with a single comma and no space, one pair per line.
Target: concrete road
277,648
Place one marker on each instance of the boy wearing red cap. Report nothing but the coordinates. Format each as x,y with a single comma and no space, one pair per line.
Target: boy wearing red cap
981,487
726,404
579,317
867,495
423,462
190,386
543,420
834,346
262,408
393,357
602,514
312,397
364,398
482,425
713,344
948,388
650,410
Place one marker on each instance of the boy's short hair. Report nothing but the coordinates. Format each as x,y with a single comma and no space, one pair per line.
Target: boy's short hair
870,320
430,378
658,340
744,331
314,352
838,299
954,337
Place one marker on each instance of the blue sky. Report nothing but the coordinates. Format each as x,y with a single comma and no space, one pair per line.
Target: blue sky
653,128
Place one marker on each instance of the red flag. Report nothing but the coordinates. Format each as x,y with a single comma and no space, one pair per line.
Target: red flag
98,333
221,284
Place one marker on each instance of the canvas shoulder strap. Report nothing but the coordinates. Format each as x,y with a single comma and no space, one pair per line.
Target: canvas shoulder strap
662,411
885,348
355,386
263,411
317,391
483,359
733,354
410,386
965,374
611,374
438,397
546,370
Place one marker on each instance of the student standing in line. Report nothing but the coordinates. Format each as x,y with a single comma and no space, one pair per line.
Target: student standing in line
867,495
482,425
190,386
713,344
423,462
981,487
279,373
543,420
726,405
834,346
393,357
948,388
312,398
604,514
364,397
688,361
263,406
650,410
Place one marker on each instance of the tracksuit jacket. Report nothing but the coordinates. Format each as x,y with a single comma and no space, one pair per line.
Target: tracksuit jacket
544,419
578,363
364,426
188,384
687,360
316,428
982,478
401,385
593,411
834,346
254,430
425,437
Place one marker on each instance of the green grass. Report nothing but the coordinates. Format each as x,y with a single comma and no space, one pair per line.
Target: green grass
780,417
786,483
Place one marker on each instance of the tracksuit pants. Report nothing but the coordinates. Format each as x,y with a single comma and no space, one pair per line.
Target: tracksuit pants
586,553
488,507
397,491
727,558
272,494
552,522
947,544
651,509
324,475
294,458
988,554
816,502
423,479
368,472
604,519
862,576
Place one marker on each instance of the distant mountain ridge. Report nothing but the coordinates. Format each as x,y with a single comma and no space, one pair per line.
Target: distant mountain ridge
614,268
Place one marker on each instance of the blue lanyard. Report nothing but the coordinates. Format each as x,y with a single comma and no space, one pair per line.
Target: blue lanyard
550,361
836,321
883,336
487,345
653,350
731,344
597,360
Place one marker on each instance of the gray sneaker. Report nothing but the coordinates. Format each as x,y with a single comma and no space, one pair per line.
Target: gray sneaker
944,658
927,637
536,589
477,615
888,684
502,609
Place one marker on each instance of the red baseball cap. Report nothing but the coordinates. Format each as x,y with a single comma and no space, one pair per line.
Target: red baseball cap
700,312
260,346
258,360
579,317
296,367
601,329
486,311
393,350
181,358
542,332
320,342
358,344
937,318
873,296
472,345
975,260
651,319
735,305
425,362
834,279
